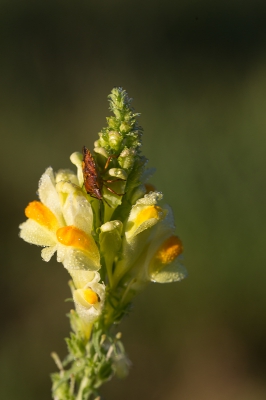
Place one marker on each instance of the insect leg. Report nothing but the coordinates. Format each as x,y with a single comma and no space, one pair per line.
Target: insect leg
106,202
108,161
112,191
113,180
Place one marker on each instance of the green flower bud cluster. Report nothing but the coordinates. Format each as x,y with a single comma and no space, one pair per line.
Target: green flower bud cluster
122,136
118,155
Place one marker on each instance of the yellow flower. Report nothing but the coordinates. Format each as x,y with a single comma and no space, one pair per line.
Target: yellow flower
62,221
165,265
161,260
89,296
144,216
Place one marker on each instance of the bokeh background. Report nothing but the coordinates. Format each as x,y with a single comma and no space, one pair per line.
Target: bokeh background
197,73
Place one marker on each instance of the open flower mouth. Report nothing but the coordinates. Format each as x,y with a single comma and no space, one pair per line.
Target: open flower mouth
91,297
169,250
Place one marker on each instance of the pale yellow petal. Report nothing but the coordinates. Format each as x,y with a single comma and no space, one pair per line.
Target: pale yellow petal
34,233
48,252
66,175
48,194
172,272
74,259
82,278
88,315
78,212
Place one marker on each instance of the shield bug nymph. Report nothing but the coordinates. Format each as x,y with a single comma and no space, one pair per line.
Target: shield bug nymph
93,181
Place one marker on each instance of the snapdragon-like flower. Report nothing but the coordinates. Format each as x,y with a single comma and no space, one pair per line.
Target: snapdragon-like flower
161,260
62,221
88,296
109,228
143,218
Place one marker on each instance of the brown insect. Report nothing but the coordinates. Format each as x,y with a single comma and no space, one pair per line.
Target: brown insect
93,181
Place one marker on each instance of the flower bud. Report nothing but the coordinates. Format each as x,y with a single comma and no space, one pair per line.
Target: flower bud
110,237
115,140
101,150
118,173
125,127
112,122
76,159
127,158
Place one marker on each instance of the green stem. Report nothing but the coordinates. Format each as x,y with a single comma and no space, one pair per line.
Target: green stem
83,385
109,269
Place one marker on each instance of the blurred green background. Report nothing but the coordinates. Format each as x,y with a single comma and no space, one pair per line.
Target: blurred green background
197,73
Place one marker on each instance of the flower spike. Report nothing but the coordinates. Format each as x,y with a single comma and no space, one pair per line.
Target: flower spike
108,226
